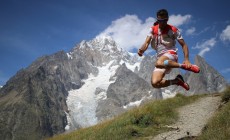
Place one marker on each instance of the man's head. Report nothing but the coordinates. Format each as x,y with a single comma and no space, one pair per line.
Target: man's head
162,18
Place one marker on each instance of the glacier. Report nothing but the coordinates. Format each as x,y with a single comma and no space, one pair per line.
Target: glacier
82,103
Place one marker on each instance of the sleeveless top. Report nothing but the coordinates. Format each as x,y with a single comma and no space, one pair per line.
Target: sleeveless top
164,40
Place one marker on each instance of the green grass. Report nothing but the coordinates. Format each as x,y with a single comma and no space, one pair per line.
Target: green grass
138,123
218,128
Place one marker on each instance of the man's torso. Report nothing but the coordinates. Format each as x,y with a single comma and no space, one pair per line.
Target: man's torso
164,40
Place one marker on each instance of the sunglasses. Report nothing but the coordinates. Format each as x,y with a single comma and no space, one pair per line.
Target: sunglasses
162,20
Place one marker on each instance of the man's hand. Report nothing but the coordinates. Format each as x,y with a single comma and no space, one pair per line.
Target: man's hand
140,52
187,63
144,47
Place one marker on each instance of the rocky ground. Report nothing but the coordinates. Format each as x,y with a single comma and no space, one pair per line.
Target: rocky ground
192,119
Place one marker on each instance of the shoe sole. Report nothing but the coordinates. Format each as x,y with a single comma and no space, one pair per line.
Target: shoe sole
179,77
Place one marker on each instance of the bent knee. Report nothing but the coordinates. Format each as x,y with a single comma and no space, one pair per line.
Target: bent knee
158,64
162,64
155,83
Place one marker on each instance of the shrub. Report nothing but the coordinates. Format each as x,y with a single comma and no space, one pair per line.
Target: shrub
226,95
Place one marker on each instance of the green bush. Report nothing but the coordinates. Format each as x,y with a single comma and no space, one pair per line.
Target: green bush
226,95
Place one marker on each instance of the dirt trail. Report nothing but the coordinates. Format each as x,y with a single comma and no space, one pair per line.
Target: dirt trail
192,119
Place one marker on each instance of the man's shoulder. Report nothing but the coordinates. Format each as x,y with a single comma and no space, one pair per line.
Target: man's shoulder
154,29
173,28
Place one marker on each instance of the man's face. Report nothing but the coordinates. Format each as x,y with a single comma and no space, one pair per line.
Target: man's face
162,20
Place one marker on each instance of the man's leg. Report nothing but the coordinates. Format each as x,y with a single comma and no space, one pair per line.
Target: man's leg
161,63
165,62
158,81
159,73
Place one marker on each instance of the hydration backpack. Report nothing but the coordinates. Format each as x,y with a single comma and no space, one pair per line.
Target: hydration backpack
168,35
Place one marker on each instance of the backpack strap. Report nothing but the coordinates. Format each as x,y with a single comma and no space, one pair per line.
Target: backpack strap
155,29
155,32
173,28
174,31
169,27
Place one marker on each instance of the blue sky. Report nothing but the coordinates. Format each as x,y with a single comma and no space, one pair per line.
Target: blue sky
32,28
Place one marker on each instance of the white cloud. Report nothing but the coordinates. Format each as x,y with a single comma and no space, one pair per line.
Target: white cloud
225,35
130,32
190,31
203,51
205,46
178,20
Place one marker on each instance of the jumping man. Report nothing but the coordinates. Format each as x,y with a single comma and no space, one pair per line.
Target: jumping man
163,39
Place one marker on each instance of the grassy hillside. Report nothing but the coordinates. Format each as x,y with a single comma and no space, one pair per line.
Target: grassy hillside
138,123
149,120
218,128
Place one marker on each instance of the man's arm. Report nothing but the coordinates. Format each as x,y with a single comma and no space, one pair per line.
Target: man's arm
185,51
144,47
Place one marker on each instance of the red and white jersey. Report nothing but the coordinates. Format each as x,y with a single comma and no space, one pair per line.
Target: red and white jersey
164,40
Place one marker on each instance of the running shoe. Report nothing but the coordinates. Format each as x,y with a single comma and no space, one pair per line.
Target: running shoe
193,68
181,82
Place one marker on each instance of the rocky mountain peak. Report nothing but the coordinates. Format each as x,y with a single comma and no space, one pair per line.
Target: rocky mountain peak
105,44
101,50
208,80
199,60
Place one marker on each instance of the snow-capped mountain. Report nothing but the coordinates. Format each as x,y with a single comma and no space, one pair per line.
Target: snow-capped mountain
95,81
84,104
